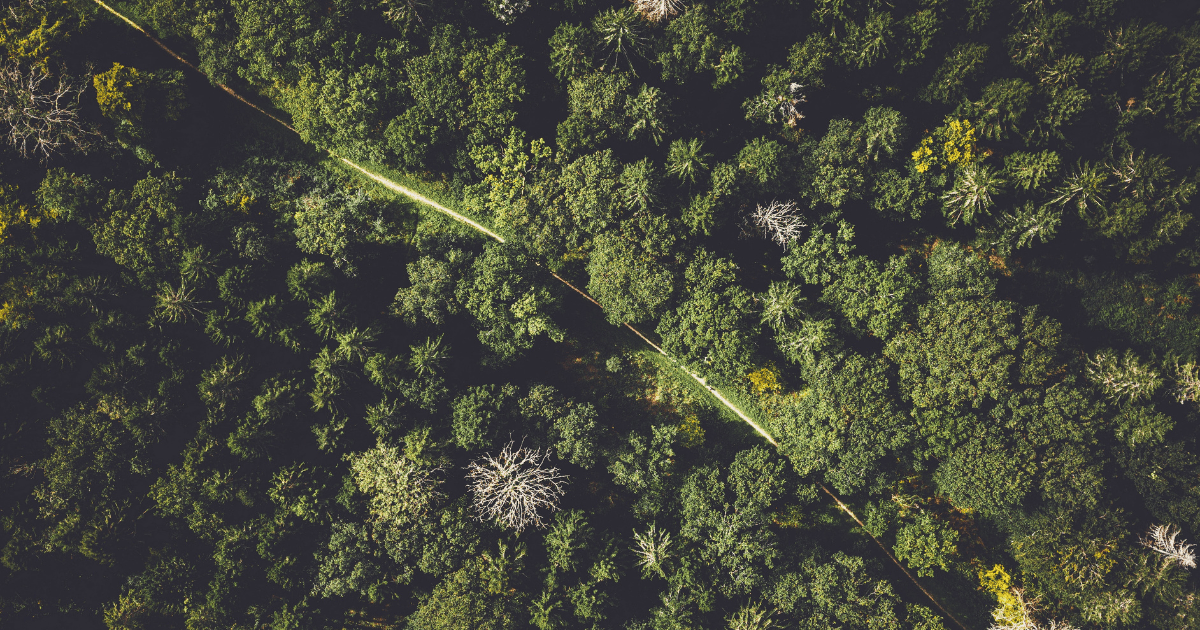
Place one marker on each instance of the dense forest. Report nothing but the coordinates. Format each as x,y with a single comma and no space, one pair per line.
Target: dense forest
922,274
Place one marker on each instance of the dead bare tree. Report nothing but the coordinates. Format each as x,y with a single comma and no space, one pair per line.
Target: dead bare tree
1163,539
42,113
511,486
656,10
778,221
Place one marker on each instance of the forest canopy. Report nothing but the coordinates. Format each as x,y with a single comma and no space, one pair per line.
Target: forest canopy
631,314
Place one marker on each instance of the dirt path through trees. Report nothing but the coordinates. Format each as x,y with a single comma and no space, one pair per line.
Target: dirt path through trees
414,195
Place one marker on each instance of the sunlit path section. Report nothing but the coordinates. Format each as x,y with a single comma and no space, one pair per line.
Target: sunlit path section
416,196
712,390
420,198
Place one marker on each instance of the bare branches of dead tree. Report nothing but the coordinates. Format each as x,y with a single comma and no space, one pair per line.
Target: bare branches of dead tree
778,221
656,10
41,112
1163,539
511,486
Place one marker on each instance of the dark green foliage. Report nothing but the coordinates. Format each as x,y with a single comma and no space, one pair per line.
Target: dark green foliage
509,309
712,328
242,384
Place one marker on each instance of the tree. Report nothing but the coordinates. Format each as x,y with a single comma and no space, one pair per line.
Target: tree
620,32
42,114
1171,92
351,563
140,102
146,229
464,94
462,602
925,544
643,465
691,46
430,294
713,327
509,309
343,110
836,589
572,50
478,411
686,159
652,550
1124,378
961,67
971,196
511,486
596,104
400,488
338,225
630,284
958,353
570,426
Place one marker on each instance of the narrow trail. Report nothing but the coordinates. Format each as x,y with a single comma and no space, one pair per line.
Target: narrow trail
414,195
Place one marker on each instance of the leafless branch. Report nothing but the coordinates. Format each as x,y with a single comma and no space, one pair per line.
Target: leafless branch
656,10
42,115
1163,539
778,221
510,487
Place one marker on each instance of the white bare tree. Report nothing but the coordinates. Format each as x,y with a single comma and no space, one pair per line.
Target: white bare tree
513,485
652,549
778,221
1164,540
41,113
656,10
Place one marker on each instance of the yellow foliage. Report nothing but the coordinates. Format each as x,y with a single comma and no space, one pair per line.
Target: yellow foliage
31,36
998,582
119,92
923,156
959,142
14,214
765,380
952,143
691,434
